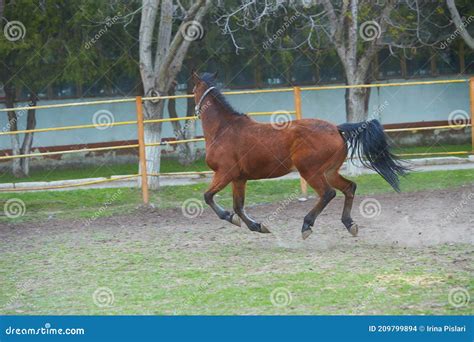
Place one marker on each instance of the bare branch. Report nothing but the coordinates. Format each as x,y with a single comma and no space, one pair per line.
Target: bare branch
375,46
164,32
460,26
179,47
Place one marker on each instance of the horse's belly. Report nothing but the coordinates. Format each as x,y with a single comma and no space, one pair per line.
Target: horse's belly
261,168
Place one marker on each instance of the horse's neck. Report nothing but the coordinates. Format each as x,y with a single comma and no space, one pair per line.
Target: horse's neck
215,120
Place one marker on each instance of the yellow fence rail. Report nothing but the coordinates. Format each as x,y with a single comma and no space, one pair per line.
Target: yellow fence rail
140,122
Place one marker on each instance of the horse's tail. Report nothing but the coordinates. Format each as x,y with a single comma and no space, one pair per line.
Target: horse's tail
368,142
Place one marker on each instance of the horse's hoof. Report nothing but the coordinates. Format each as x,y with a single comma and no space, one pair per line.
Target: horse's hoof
264,229
306,233
235,219
354,229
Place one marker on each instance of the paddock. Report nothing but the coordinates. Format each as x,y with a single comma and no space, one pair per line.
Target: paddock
136,251
409,256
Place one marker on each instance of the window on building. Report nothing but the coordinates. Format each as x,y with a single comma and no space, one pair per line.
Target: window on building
273,71
96,89
64,90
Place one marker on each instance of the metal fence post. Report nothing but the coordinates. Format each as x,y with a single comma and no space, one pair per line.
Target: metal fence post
471,96
141,148
299,116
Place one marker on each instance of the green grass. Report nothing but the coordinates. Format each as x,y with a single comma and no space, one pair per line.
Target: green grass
57,270
169,165
84,203
92,171
59,273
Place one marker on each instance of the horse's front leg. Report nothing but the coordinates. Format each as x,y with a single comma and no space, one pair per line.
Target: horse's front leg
238,192
218,183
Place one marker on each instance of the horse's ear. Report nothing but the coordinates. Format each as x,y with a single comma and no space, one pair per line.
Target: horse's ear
215,75
195,77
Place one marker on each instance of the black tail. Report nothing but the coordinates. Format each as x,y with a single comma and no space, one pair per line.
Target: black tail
368,142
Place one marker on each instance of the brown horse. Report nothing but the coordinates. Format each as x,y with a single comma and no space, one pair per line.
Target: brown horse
239,148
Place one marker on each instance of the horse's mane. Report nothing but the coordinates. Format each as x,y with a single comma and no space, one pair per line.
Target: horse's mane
208,78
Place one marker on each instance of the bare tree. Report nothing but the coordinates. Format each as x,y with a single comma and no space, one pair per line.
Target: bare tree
13,126
356,29
20,166
187,152
159,71
344,33
460,25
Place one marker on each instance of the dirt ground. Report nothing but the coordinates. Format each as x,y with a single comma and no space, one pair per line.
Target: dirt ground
414,219
412,249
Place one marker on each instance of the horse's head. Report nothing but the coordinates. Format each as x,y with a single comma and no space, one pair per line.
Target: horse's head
202,83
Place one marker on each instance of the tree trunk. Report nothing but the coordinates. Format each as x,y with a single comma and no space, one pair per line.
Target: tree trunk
186,151
190,132
357,104
28,139
153,136
13,126
158,75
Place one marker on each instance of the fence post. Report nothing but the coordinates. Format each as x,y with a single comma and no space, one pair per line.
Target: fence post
471,96
299,116
141,148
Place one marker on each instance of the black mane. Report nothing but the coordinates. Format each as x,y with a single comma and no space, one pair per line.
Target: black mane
208,78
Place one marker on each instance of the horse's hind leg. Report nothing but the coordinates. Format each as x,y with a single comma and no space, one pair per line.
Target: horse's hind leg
348,188
238,191
218,183
326,194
